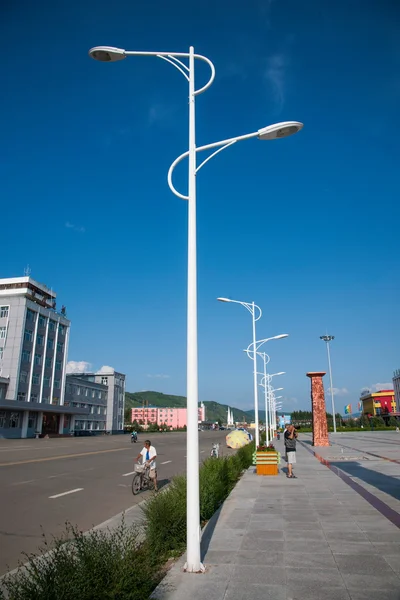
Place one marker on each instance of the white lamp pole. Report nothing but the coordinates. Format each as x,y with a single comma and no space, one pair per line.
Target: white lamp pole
270,400
112,54
328,339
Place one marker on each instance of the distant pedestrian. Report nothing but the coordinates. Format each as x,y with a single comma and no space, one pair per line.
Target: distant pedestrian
290,444
284,439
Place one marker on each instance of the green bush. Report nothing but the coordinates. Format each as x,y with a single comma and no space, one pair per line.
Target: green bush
166,519
101,565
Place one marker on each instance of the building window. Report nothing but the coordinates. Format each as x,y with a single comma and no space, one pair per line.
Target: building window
99,395
26,356
78,391
39,340
23,377
60,346
45,400
56,399
14,419
35,379
34,397
52,325
42,321
93,393
50,344
61,329
58,365
21,396
104,380
3,331
27,334
48,363
46,381
75,404
30,315
57,384
38,359
4,311
86,392
3,418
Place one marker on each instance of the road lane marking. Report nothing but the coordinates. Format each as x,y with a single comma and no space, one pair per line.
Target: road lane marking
166,462
201,451
35,460
127,474
66,493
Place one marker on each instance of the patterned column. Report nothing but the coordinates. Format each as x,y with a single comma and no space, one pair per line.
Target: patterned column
320,425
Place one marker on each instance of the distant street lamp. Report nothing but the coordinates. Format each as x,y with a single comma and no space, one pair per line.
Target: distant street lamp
328,339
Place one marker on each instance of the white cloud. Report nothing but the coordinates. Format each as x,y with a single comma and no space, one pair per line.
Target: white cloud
382,386
276,76
377,387
339,391
77,228
158,376
80,366
106,369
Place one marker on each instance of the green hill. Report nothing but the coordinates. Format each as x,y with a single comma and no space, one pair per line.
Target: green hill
214,410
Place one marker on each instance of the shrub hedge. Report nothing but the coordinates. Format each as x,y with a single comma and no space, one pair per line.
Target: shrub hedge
120,564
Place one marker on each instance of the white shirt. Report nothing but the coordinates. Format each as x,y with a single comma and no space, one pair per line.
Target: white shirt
152,452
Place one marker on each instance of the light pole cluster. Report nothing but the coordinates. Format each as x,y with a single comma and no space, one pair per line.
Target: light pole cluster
184,62
328,339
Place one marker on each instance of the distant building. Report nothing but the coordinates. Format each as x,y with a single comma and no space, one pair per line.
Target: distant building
82,392
115,383
378,403
33,355
174,418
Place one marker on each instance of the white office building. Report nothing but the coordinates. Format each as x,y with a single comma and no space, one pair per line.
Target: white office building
33,355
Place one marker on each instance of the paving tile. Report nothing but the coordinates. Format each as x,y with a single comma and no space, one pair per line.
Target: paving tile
362,563
299,526
340,526
255,592
366,594
309,560
265,532
393,561
304,535
307,547
254,557
314,591
365,548
326,577
220,557
387,548
346,536
261,544
259,575
370,582
384,537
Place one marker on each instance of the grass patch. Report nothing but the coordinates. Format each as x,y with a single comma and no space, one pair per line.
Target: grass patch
122,564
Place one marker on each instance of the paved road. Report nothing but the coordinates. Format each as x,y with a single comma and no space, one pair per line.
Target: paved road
35,474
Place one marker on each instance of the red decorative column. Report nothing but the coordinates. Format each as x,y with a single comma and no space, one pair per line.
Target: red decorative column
320,425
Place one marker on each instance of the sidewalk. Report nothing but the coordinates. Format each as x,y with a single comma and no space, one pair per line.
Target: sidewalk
310,538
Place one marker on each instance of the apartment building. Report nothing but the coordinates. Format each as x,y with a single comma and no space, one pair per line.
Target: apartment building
34,339
114,382
82,392
174,418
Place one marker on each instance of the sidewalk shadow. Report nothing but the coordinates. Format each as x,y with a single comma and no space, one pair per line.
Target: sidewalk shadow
163,482
385,483
208,533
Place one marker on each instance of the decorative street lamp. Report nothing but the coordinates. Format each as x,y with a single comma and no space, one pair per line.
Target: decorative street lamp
328,339
279,130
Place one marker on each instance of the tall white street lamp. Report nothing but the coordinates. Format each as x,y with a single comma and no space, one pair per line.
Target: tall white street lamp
272,418
328,339
279,130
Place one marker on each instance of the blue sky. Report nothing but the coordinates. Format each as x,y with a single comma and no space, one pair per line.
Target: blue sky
307,227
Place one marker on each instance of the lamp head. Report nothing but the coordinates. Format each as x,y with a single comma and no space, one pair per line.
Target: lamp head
223,300
107,53
279,130
281,336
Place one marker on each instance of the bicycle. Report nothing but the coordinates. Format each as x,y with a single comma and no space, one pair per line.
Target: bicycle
141,480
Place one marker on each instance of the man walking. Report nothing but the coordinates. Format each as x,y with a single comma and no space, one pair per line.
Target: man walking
284,438
290,445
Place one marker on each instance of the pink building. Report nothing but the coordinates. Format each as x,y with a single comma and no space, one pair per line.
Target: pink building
171,417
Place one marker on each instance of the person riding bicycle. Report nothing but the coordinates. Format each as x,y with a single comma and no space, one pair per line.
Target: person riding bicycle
149,455
134,435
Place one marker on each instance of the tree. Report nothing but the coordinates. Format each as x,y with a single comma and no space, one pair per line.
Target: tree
364,421
393,422
128,415
219,421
